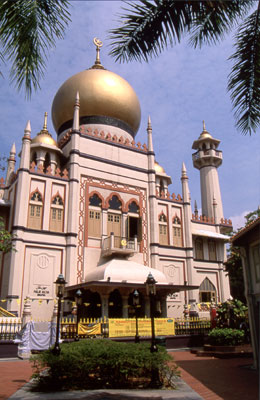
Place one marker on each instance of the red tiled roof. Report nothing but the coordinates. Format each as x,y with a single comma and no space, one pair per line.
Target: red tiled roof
246,229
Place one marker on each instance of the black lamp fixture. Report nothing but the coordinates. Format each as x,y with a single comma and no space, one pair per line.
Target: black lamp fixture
60,288
78,300
136,304
150,284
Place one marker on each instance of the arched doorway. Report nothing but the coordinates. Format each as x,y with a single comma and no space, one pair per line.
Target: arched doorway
115,304
91,305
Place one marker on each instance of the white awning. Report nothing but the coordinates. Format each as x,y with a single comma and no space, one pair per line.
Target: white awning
215,235
121,270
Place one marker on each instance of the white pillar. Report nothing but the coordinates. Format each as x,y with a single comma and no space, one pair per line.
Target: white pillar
27,311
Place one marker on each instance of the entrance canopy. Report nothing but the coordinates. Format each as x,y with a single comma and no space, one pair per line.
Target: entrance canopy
121,270
122,273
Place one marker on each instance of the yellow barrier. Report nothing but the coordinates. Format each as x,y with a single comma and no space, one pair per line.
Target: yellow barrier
127,327
89,329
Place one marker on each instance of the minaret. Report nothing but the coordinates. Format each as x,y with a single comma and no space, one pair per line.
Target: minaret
152,198
207,159
75,126
10,165
187,226
25,153
74,184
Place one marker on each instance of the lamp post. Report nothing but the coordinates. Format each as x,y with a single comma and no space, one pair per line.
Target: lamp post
151,292
78,300
136,301
60,287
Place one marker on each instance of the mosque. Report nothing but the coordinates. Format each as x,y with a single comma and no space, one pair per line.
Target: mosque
94,206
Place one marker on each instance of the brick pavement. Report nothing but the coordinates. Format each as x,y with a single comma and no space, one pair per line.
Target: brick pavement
216,379
211,378
13,375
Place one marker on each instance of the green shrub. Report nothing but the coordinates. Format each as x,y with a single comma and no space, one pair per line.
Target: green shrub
226,337
101,363
231,314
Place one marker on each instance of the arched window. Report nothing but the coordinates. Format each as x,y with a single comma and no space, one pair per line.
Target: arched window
199,254
212,250
47,162
207,291
134,222
56,217
94,216
161,187
163,229
115,203
34,158
176,232
35,211
114,219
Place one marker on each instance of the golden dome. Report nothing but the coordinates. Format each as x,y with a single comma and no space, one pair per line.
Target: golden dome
205,134
102,93
44,137
158,168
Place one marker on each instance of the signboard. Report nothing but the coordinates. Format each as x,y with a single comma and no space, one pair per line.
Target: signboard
127,327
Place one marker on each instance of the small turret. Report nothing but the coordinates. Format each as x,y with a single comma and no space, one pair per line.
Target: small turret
25,153
149,134
76,113
10,165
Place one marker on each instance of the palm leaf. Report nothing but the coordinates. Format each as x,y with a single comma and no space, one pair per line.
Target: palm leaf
215,19
28,29
148,27
244,79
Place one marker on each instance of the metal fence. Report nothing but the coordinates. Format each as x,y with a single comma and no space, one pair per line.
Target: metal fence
99,327
192,326
9,327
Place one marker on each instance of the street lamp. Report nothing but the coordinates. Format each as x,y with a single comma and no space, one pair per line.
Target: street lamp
60,287
78,300
151,292
136,301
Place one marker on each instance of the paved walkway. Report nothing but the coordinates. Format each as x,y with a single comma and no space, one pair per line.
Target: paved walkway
215,379
210,378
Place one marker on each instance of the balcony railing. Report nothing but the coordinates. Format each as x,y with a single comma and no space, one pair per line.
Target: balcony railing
119,244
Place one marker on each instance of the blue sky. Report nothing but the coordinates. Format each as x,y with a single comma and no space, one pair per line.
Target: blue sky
178,90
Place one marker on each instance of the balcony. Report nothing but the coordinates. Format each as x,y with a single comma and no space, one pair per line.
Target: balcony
119,245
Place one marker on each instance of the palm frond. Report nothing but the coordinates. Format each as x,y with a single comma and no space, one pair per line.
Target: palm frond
214,19
147,27
28,29
244,79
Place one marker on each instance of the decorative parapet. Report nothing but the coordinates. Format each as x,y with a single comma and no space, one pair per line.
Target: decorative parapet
225,221
203,218
58,173
210,220
105,136
168,196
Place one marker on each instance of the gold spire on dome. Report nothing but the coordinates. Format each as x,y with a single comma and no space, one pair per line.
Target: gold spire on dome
44,136
204,134
98,43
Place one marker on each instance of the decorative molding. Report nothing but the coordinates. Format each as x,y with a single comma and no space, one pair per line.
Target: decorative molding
100,135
